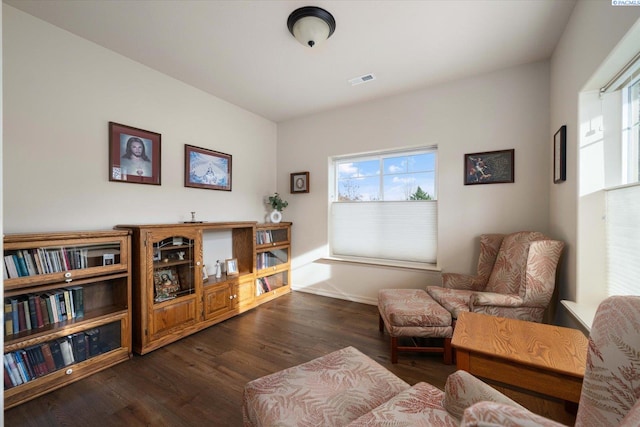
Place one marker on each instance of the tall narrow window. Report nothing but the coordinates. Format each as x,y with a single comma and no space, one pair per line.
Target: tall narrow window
384,206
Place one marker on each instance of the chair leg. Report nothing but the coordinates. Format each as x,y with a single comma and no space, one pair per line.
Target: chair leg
380,323
394,350
448,357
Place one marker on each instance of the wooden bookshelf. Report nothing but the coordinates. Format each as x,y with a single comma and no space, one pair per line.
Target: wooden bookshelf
65,294
190,303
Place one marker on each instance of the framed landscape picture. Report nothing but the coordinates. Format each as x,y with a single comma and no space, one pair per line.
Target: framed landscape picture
490,167
134,155
207,169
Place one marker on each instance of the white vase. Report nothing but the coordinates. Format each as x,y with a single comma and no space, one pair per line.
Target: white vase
275,216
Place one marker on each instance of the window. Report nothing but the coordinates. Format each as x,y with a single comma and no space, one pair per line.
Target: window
623,203
631,132
384,206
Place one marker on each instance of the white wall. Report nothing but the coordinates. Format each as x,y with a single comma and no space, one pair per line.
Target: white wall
501,110
60,92
593,31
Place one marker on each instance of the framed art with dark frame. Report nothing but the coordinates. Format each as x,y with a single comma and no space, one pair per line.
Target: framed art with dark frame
560,155
489,167
134,155
231,265
300,182
206,168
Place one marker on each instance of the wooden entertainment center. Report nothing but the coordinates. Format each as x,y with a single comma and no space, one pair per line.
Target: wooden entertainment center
172,295
102,295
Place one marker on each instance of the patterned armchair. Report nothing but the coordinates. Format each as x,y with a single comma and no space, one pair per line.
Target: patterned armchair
611,385
516,278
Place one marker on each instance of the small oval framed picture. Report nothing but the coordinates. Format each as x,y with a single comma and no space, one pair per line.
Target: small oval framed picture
300,182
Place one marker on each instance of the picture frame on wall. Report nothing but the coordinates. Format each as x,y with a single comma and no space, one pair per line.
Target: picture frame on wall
207,169
489,167
560,155
134,155
300,182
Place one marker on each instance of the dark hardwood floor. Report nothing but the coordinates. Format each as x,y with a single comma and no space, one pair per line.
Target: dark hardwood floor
199,380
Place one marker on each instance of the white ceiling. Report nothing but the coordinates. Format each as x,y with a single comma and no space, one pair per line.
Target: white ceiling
241,51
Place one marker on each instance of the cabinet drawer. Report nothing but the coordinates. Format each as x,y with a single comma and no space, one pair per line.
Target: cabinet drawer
177,313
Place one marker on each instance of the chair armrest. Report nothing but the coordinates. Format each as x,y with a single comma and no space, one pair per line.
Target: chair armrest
463,281
494,299
485,414
463,390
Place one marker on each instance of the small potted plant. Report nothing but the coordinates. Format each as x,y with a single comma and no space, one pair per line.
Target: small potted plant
278,205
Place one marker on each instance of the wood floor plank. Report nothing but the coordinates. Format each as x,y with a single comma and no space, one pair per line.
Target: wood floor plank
199,380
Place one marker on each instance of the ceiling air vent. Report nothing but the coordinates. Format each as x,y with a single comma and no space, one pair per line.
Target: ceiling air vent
362,79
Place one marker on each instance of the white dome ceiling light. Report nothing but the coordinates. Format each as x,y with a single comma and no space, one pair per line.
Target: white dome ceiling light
311,25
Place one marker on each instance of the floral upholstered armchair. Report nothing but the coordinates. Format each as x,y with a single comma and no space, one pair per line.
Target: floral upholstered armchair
516,278
611,385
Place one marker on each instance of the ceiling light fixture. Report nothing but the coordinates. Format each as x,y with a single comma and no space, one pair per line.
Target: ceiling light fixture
311,25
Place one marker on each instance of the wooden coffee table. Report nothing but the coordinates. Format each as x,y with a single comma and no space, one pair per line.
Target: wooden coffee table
545,359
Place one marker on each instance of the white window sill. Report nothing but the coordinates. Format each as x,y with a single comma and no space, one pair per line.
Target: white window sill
583,313
383,263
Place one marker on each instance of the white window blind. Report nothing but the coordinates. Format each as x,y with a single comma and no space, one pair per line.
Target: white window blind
402,230
623,240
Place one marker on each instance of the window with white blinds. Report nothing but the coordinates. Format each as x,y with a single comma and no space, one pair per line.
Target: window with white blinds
623,240
384,207
401,231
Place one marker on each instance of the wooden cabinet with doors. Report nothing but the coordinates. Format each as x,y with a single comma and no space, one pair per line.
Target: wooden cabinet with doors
173,297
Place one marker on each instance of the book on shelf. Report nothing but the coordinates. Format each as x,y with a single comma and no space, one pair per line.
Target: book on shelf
11,365
77,299
21,264
56,353
12,269
48,357
66,349
8,318
80,344
93,341
22,369
15,314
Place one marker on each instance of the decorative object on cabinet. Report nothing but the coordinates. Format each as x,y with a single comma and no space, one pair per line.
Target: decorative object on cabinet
198,304
278,205
560,155
231,267
206,168
66,309
490,167
134,155
300,182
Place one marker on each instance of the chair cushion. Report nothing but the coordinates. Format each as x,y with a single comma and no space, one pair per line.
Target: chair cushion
411,307
332,390
509,269
418,406
453,300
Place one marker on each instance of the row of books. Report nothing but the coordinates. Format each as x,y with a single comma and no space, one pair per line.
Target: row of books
31,262
22,366
263,237
262,286
268,259
34,311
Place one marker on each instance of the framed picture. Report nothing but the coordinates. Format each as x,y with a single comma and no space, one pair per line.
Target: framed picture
134,155
490,167
166,284
560,155
205,168
300,182
108,259
231,266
